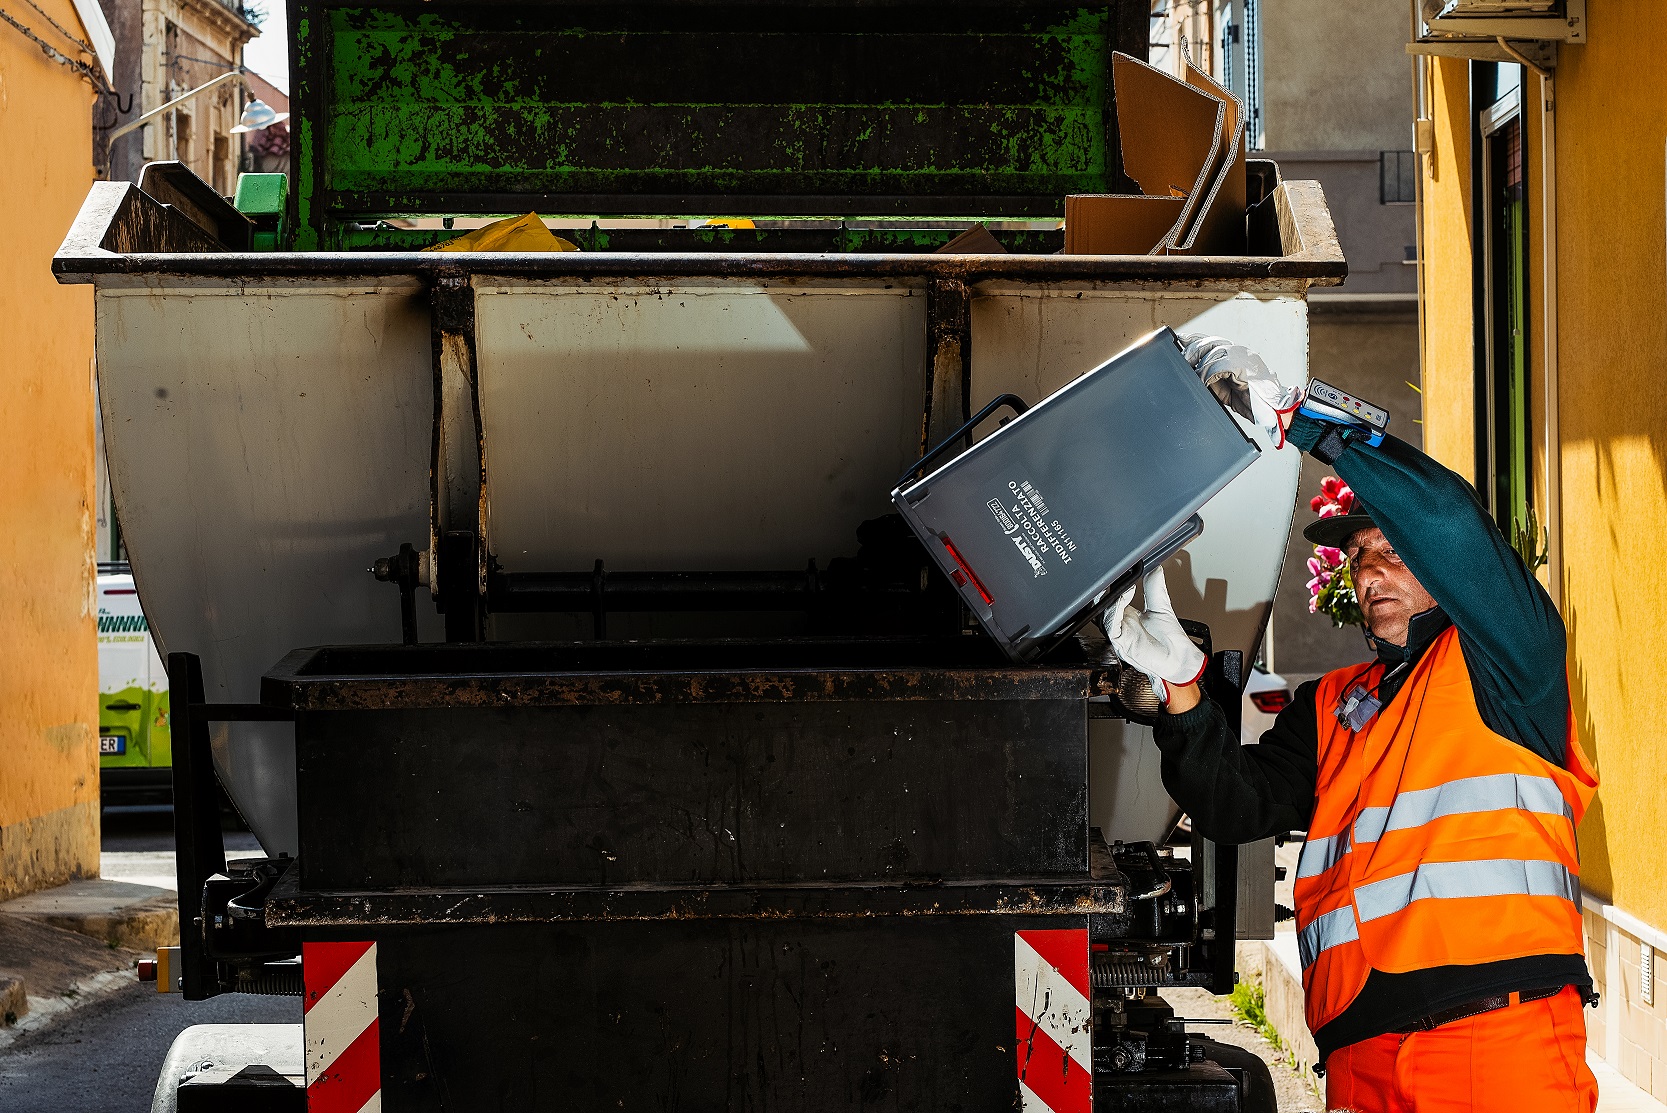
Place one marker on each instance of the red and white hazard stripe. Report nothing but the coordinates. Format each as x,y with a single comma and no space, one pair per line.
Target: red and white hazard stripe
344,1054
1055,1020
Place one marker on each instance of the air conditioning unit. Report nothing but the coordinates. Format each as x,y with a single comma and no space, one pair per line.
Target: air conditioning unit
1459,9
1517,20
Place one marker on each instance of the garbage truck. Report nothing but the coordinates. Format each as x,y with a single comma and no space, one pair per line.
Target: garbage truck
611,741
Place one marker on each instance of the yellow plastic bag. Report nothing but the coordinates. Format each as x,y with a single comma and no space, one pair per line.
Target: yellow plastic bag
513,233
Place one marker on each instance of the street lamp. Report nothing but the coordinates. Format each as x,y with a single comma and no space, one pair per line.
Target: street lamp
257,114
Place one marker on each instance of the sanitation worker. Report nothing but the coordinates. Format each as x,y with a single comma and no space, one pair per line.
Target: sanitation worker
1438,898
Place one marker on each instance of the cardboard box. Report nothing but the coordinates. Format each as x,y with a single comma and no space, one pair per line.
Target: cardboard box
1183,144
1118,224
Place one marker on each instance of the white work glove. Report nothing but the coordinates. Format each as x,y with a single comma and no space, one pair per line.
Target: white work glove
1152,640
1242,382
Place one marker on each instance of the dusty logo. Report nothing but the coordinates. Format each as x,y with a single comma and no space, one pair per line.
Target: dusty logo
1008,525
1036,566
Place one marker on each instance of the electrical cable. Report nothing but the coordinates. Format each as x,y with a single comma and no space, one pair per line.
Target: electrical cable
92,74
221,62
76,39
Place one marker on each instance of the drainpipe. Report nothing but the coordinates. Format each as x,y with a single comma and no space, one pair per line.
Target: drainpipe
1548,330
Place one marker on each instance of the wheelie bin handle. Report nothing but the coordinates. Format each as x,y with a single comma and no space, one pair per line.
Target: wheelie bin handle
1012,401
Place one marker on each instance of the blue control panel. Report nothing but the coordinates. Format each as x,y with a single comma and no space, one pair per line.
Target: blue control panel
1324,402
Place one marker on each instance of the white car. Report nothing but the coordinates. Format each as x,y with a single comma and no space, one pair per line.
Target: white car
1265,695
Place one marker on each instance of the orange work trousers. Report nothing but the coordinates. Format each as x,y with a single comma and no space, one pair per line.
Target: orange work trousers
1521,1059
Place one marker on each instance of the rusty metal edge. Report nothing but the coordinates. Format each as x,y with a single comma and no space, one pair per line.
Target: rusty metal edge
621,688
290,906
1313,257
1167,269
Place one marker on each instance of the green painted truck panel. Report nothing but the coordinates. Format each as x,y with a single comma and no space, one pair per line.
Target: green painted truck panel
145,726
828,109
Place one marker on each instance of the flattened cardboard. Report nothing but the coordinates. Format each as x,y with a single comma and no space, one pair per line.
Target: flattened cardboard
1171,134
1118,224
1218,220
977,240
1183,144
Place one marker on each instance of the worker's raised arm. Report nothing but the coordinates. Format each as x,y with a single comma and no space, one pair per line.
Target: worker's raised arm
1512,635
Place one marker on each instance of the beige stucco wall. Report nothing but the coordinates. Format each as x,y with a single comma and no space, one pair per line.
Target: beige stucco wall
1336,75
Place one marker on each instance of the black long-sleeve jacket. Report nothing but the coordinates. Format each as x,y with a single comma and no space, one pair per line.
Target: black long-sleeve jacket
1513,642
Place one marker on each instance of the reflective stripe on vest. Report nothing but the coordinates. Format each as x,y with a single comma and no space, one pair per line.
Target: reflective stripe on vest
1319,855
1497,877
1467,795
1464,796
1331,930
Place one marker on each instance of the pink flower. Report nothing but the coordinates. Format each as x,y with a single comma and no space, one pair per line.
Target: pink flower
1330,510
1315,567
1333,557
1314,605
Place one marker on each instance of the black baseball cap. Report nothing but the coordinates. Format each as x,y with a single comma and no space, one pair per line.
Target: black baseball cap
1334,532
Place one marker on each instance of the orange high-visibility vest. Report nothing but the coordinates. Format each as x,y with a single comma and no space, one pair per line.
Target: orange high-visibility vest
1435,841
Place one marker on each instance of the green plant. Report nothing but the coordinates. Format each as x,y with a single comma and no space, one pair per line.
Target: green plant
1418,390
1336,598
1249,1004
1533,542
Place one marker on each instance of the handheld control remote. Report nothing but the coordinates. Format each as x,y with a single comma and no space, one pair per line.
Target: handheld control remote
1324,402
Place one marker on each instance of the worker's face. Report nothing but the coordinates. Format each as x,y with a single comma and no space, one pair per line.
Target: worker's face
1389,593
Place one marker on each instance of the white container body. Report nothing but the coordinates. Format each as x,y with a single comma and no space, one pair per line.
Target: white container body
269,440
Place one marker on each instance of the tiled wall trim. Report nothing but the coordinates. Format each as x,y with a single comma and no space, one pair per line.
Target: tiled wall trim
1629,1034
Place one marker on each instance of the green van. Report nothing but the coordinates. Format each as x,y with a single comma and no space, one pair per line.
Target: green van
135,759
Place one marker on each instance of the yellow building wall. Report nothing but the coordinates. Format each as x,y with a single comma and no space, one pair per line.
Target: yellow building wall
1449,401
1612,330
48,639
1612,439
